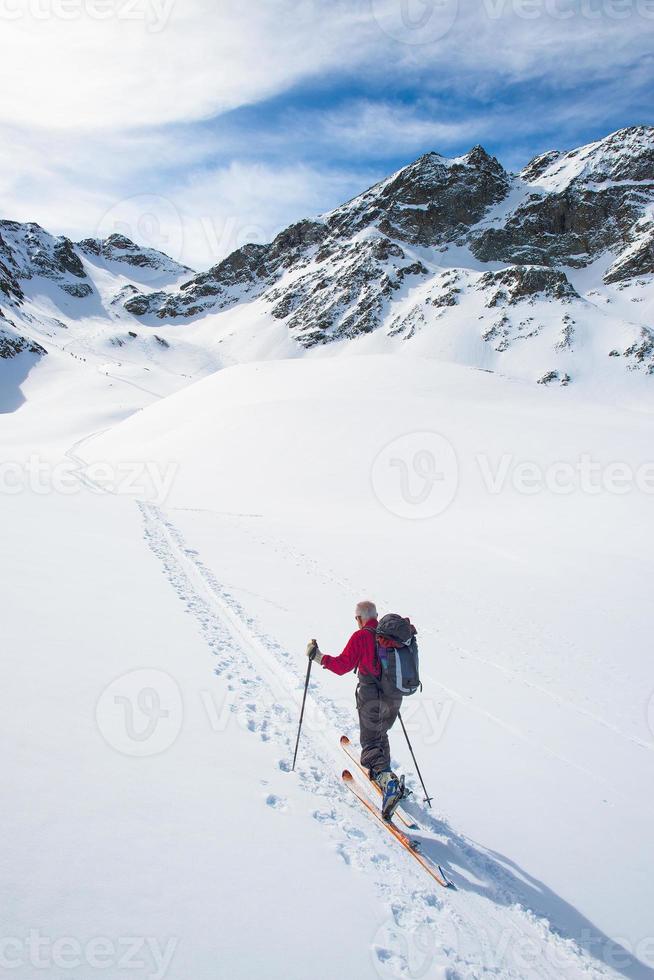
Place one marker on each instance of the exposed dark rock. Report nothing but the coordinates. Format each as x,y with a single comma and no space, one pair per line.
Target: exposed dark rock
293,241
627,154
510,286
536,167
408,324
368,272
93,246
550,376
124,294
144,303
79,290
28,251
68,259
568,228
119,248
12,344
567,333
244,273
119,242
431,201
638,260
498,331
9,284
641,353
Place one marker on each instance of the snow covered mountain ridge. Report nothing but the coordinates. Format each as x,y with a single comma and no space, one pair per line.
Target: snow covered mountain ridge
545,275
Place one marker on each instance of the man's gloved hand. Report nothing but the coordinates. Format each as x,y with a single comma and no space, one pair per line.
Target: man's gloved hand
313,651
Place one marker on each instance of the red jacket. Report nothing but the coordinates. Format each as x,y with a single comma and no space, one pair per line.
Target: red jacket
359,652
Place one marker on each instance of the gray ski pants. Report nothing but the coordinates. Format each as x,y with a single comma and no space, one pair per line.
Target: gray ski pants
377,715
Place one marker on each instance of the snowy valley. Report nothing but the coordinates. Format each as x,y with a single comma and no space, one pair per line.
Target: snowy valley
438,396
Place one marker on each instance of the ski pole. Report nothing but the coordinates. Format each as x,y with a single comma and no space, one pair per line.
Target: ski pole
428,798
299,727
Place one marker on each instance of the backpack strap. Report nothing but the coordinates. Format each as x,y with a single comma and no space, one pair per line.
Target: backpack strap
370,629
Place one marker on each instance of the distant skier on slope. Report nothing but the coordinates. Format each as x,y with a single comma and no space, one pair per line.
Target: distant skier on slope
377,707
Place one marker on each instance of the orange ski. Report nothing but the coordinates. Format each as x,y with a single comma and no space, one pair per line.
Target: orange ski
438,875
399,813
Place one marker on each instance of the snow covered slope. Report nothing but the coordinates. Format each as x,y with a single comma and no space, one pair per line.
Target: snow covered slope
64,300
286,505
199,472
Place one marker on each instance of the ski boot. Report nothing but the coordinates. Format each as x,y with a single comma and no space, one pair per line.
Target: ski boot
392,787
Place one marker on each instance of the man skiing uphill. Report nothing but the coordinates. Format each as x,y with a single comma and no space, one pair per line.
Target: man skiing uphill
378,708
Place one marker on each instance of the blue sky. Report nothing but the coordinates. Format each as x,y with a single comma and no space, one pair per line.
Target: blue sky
200,124
513,121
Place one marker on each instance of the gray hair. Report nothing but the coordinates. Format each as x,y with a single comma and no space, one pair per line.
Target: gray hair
367,610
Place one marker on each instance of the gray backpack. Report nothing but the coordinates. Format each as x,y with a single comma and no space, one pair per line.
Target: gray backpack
397,652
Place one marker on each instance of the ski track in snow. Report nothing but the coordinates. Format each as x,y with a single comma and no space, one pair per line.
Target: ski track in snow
464,654
313,567
483,930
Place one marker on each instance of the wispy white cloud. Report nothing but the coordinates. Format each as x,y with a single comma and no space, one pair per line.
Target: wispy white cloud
246,202
490,42
195,211
363,126
99,116
121,63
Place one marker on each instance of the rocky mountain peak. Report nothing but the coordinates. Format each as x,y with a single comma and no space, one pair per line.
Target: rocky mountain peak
429,201
30,252
438,234
536,167
119,241
626,155
119,248
478,157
